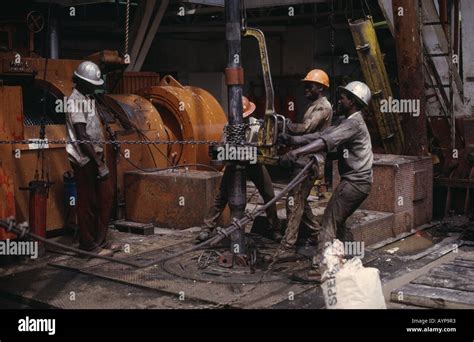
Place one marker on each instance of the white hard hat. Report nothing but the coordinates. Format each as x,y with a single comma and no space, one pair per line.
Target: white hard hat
359,90
89,72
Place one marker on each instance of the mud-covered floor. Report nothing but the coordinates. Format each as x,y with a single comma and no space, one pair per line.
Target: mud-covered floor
63,281
199,279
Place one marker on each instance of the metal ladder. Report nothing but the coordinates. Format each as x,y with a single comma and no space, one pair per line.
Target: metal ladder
446,100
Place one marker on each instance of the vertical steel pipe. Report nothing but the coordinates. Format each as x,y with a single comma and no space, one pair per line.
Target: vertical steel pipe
234,79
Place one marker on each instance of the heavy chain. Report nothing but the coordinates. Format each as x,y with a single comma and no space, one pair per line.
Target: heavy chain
232,133
108,142
235,134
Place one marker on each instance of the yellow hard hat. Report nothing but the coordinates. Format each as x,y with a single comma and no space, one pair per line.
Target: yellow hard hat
248,107
318,76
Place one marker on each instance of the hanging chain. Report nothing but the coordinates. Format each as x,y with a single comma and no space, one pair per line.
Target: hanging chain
234,135
108,142
127,27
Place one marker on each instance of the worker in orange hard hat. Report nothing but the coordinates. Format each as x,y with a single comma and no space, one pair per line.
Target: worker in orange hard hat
248,107
257,173
318,116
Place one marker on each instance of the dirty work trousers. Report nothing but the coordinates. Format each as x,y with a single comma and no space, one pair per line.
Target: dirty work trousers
259,175
94,206
343,203
298,211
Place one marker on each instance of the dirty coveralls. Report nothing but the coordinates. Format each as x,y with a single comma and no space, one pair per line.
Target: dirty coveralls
317,117
94,197
258,174
354,153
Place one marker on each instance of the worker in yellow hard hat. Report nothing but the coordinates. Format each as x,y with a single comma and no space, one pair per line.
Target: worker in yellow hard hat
318,116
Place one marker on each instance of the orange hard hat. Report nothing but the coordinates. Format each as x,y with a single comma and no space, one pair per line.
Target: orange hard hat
318,76
248,107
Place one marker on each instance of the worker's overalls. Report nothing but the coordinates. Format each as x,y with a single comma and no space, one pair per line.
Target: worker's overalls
317,117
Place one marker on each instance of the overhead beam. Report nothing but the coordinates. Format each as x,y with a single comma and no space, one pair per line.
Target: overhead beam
210,29
150,35
255,3
144,19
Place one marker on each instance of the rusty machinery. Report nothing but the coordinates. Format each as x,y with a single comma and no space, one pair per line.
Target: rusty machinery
235,130
267,141
188,113
27,84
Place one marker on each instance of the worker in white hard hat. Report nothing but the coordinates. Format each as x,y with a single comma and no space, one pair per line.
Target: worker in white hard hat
351,139
94,188
318,116
257,173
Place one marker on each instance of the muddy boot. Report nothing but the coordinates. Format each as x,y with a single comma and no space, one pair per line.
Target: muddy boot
311,241
313,275
277,236
113,246
204,235
102,252
282,254
285,254
273,230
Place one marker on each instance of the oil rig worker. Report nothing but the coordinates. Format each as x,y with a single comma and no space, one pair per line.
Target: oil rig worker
94,189
257,173
317,117
351,140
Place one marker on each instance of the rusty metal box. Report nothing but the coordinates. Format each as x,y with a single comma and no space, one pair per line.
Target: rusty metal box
170,199
403,185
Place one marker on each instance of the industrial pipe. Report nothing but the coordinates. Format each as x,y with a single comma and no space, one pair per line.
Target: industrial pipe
38,197
53,35
234,79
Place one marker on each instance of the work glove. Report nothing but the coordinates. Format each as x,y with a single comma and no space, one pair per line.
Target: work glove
285,139
288,160
289,140
103,172
280,124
